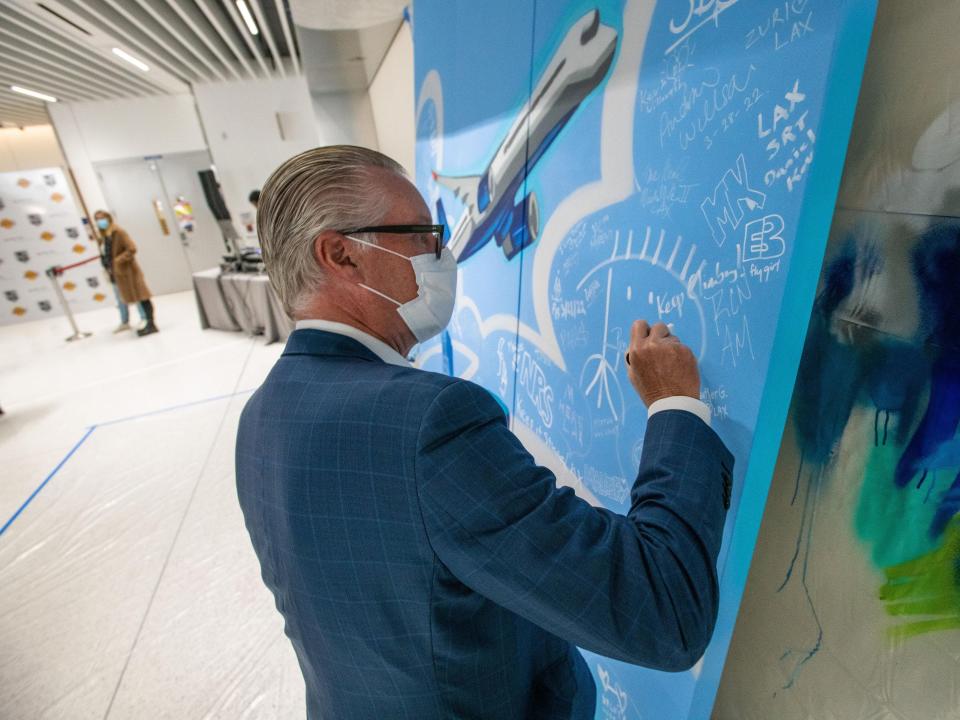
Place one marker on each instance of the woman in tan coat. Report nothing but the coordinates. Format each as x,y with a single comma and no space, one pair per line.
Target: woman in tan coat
124,271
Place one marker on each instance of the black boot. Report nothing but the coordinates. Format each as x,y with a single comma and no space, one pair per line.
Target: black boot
149,328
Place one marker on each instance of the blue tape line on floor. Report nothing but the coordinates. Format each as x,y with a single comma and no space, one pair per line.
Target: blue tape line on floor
47,479
174,407
89,432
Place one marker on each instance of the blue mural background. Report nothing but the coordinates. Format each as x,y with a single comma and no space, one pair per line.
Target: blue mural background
678,187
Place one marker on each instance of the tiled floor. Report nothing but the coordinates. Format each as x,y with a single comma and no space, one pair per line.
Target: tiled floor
129,586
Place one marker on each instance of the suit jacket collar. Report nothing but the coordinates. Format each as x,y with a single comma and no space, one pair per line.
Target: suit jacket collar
322,343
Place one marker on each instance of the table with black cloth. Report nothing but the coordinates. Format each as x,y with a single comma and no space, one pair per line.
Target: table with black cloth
240,301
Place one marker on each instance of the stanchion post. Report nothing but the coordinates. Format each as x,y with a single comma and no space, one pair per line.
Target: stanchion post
53,273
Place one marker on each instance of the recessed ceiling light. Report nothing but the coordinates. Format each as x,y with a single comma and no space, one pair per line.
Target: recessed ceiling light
136,62
247,17
33,93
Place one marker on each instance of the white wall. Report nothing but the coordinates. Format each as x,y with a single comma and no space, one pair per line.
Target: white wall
32,147
345,118
244,132
134,127
106,130
392,101
238,122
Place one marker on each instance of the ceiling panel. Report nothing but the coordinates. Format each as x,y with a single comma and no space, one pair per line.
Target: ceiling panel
64,48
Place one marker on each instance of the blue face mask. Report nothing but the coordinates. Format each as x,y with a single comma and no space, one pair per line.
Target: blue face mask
103,223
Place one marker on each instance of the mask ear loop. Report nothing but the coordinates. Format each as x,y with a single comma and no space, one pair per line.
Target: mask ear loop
377,292
367,287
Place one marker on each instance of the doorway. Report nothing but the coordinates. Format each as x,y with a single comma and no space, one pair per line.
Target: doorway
159,201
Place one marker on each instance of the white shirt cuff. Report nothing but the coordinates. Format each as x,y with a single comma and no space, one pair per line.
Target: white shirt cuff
681,402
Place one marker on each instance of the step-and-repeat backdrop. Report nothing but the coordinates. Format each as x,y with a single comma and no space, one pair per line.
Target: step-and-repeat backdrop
40,227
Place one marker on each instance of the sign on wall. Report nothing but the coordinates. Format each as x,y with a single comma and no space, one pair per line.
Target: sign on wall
600,162
40,227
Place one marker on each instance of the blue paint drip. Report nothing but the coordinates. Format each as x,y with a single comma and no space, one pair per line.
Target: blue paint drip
806,525
803,527
796,484
896,373
806,591
828,384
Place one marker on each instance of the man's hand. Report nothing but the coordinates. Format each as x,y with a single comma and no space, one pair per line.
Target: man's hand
659,365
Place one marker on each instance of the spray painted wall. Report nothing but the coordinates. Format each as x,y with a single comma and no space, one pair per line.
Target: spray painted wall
604,161
853,607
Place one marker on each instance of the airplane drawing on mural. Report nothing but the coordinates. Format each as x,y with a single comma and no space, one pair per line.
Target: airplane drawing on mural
492,212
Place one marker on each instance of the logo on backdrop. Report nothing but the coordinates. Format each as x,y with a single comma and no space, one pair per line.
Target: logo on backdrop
44,305
73,233
93,282
50,180
22,255
34,219
12,295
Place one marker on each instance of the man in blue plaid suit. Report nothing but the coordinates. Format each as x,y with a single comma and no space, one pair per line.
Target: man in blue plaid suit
425,565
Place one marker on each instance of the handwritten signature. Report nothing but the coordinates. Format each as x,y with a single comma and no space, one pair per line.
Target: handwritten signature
701,104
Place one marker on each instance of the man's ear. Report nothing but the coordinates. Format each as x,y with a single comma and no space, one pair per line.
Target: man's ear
334,254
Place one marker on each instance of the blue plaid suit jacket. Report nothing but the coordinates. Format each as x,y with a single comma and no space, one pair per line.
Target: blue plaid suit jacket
427,568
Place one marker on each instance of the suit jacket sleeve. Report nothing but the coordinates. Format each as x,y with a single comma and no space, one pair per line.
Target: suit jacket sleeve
641,587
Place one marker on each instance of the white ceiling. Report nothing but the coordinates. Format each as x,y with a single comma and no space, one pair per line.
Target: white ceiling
64,48
346,14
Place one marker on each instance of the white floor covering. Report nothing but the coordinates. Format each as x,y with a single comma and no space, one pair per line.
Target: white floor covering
128,586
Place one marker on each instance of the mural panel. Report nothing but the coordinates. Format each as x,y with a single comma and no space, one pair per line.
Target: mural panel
675,161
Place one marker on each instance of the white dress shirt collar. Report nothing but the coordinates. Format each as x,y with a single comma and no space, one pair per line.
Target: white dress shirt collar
377,347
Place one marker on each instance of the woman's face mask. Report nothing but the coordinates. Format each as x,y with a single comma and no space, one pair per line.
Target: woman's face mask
103,223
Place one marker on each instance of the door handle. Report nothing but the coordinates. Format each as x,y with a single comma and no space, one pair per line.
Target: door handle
161,218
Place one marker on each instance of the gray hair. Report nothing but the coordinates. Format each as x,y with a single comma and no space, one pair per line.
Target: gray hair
326,188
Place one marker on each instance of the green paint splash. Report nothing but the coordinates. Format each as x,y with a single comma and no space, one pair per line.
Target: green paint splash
926,588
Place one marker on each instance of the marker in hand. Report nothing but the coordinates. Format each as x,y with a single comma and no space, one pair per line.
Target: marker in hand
669,328
661,365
